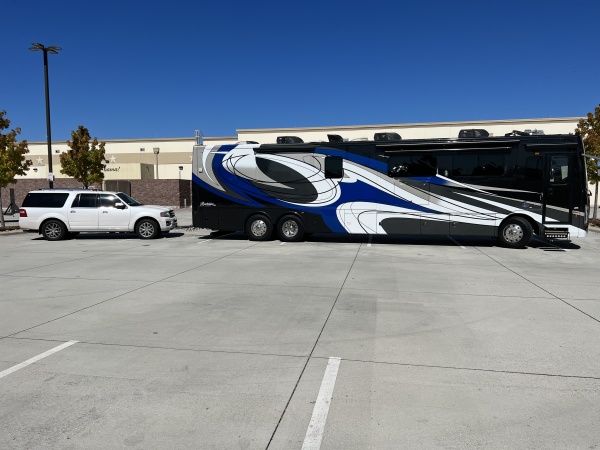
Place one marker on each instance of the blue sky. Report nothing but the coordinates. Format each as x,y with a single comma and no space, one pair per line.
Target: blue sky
145,69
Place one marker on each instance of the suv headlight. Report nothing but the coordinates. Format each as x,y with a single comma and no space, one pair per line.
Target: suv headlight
165,214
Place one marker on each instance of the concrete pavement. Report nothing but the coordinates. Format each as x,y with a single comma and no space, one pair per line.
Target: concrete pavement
190,341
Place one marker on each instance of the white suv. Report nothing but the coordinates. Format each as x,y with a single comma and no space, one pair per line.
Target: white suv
58,213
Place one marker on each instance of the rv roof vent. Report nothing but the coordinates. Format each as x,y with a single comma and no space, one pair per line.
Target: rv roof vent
473,133
387,137
335,138
289,140
517,133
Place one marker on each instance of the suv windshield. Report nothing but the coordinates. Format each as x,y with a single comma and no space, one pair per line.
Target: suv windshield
127,199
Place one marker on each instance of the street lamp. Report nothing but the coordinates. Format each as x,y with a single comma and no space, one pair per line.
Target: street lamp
54,50
156,151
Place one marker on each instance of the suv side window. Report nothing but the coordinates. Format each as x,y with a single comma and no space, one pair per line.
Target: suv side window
85,201
45,200
108,200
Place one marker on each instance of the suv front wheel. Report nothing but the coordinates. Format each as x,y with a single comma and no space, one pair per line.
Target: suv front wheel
147,229
54,230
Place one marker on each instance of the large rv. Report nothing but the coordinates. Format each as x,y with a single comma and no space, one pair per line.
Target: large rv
508,188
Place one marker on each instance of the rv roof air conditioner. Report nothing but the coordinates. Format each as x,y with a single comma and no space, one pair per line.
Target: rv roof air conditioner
289,140
473,133
387,137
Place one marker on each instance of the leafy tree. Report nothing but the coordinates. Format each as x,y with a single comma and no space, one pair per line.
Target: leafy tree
85,160
589,130
12,157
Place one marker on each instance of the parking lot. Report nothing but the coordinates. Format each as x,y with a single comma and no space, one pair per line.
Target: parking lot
193,341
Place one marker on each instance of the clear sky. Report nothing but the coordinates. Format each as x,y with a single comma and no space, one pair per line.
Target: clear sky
145,69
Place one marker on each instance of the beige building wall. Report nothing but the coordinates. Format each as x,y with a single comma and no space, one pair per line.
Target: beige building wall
412,130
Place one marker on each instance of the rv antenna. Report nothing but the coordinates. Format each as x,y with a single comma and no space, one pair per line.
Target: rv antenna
199,137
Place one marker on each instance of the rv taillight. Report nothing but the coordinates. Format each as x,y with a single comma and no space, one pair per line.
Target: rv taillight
22,212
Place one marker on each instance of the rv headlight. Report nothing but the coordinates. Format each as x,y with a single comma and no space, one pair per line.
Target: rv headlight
165,214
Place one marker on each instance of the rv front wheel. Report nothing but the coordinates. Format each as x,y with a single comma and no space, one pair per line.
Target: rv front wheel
259,228
515,232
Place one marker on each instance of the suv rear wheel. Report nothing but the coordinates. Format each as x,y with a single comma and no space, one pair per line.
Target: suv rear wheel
54,230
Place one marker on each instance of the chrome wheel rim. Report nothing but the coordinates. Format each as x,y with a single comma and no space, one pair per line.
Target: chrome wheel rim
289,228
258,228
513,233
146,229
52,230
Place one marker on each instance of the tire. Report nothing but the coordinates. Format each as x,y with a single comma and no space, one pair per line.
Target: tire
290,229
515,232
259,228
147,229
54,230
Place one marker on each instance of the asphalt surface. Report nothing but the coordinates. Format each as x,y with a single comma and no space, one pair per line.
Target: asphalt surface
192,341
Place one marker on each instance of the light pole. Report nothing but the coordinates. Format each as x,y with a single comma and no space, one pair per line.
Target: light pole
54,50
156,151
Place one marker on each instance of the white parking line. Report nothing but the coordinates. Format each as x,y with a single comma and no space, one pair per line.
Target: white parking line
370,240
36,358
283,243
316,427
464,248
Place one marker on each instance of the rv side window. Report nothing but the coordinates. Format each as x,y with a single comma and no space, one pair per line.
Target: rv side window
334,167
477,165
412,166
533,168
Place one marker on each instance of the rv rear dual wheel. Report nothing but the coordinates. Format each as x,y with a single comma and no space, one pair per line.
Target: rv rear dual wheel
259,228
289,228
515,232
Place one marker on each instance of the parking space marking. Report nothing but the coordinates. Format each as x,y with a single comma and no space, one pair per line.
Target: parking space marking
316,427
36,358
370,240
452,239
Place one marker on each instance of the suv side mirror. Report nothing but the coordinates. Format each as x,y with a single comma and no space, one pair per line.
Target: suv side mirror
120,205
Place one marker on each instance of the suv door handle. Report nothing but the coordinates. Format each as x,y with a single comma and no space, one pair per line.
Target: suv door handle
104,212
